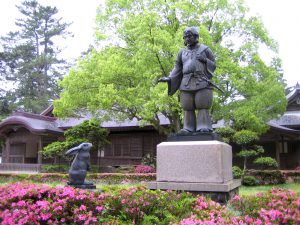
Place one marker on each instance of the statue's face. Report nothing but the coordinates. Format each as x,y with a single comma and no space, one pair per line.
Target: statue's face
190,39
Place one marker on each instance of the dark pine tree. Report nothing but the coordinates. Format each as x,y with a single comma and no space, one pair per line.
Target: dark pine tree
29,56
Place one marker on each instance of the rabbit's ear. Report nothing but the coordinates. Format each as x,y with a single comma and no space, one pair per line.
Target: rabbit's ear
73,151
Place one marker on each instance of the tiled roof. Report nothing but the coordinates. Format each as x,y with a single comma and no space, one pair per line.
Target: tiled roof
291,118
282,128
70,122
40,124
294,92
33,122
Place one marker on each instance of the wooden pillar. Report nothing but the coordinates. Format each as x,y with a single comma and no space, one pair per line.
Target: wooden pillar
278,146
40,145
7,151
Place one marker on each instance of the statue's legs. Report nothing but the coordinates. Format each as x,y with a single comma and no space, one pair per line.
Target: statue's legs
188,106
203,102
77,176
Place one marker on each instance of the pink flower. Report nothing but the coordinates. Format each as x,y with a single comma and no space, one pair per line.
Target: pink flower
258,222
236,197
46,216
248,219
21,203
100,208
259,194
82,207
81,217
58,208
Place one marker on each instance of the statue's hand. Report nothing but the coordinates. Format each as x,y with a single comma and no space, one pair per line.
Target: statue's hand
201,58
164,79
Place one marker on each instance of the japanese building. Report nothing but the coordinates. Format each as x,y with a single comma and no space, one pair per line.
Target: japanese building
26,134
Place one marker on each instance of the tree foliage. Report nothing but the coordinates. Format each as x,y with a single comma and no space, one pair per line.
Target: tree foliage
138,43
245,139
88,131
266,162
29,56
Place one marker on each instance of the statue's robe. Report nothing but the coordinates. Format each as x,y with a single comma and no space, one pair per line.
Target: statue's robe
187,72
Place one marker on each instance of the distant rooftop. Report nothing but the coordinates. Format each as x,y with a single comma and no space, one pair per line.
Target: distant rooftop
291,118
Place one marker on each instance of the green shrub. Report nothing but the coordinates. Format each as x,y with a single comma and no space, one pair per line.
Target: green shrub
245,137
55,168
266,163
108,178
237,172
64,168
249,181
267,177
226,133
149,160
124,169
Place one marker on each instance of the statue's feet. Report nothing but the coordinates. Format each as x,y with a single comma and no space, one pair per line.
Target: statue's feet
205,130
184,131
88,183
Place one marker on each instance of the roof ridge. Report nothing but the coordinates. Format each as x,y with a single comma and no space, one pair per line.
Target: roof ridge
34,116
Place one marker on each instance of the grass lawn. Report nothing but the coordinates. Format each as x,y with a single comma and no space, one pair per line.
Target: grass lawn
244,190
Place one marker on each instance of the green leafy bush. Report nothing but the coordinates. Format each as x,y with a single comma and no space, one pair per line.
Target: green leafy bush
149,160
266,163
237,172
55,168
267,177
251,151
245,137
64,168
108,178
88,131
226,133
249,181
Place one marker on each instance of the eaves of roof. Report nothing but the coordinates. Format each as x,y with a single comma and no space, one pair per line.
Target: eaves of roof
33,122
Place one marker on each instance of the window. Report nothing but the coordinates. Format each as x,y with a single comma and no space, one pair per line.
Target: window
124,146
17,153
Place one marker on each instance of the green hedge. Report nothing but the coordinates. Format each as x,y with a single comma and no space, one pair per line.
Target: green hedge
291,176
237,172
249,181
267,176
109,178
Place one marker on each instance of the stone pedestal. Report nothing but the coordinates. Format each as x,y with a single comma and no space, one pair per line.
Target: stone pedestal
203,167
82,186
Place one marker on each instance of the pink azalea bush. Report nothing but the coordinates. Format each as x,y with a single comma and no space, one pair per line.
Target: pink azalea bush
144,169
25,203
278,206
39,204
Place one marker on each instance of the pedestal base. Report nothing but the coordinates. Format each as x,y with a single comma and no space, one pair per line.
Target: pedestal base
217,192
82,186
195,136
200,167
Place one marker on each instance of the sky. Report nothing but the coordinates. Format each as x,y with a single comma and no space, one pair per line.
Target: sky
280,17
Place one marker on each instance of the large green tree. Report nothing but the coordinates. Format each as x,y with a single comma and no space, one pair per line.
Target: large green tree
29,56
138,43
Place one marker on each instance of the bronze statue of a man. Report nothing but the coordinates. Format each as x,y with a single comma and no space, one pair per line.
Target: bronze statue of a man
191,74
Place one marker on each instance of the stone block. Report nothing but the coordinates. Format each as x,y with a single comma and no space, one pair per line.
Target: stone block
217,192
195,187
194,161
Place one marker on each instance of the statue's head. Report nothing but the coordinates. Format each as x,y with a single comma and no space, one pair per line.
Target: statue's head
190,36
80,148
